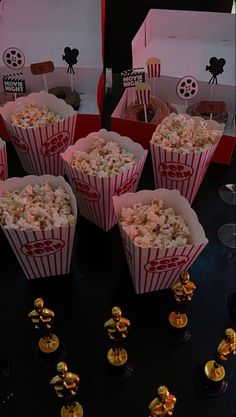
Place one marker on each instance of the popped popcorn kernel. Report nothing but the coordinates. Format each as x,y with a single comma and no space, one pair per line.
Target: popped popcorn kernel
183,134
153,226
30,115
103,159
36,207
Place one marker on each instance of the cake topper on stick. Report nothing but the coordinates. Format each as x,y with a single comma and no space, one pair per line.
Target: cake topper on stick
154,70
13,58
42,68
131,77
70,57
143,95
187,88
216,68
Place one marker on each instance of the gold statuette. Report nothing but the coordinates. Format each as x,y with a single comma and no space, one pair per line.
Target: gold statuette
183,291
214,371
163,405
42,319
65,385
117,330
227,346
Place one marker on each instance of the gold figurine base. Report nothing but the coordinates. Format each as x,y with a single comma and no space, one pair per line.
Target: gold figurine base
74,410
48,344
212,373
178,320
117,357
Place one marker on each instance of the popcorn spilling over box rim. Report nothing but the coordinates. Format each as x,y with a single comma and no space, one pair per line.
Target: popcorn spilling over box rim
183,170
42,253
39,148
3,161
152,269
94,194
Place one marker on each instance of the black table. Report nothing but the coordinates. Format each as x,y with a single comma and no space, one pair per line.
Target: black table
98,280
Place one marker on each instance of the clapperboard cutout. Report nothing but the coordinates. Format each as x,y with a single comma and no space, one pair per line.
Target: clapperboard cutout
133,76
13,84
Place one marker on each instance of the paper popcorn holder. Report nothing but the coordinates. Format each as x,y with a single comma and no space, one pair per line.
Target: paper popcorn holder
184,172
39,148
93,194
3,161
42,253
154,269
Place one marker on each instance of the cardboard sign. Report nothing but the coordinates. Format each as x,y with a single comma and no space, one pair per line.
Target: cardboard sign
12,84
42,67
13,58
70,57
133,76
212,107
143,91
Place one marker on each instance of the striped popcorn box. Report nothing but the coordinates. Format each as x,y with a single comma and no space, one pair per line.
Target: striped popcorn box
3,161
39,148
154,269
153,67
143,92
94,194
42,253
183,171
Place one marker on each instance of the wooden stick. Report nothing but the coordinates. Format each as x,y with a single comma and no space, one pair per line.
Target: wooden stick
45,82
145,112
71,83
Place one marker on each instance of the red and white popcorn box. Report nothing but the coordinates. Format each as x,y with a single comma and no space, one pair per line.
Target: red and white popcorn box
154,269
42,253
3,161
94,194
183,171
39,148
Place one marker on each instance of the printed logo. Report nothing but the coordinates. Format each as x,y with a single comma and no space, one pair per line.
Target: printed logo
128,185
19,144
86,190
166,264
55,144
2,172
175,171
42,247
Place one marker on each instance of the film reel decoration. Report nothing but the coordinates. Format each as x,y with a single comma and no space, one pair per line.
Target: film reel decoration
187,87
13,58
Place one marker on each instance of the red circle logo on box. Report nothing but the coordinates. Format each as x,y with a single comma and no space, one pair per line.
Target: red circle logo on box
166,264
86,190
19,144
55,144
175,171
42,247
2,172
127,185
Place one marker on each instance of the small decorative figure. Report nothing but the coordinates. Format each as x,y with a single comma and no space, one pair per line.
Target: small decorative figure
215,68
163,405
117,330
214,371
65,385
42,319
183,291
71,58
227,345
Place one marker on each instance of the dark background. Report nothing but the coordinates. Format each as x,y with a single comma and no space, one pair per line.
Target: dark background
124,17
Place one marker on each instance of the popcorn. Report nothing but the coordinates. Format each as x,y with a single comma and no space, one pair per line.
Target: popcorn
181,133
31,116
103,159
36,207
153,226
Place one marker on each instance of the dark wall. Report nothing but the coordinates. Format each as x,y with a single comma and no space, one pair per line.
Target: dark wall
124,17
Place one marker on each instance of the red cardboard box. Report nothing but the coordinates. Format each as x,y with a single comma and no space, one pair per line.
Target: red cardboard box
184,42
42,32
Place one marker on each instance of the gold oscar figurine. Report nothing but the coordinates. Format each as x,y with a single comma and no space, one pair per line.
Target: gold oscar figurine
117,330
183,291
227,346
42,319
163,405
65,384
117,367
